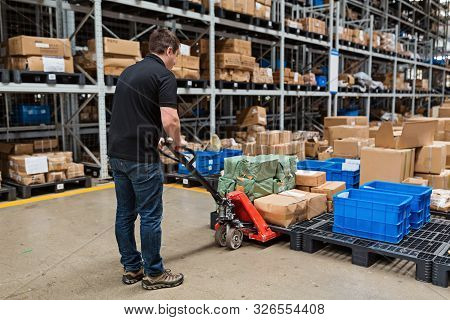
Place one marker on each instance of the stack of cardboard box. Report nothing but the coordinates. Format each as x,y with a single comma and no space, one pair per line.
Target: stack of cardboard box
262,75
263,8
305,180
39,54
279,142
401,84
118,55
341,127
89,114
351,147
187,66
259,8
308,24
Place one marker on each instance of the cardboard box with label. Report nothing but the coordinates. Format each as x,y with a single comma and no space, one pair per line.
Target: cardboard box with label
282,209
252,116
39,46
117,47
416,181
329,188
413,135
345,120
28,165
41,63
310,178
393,165
431,159
313,25
26,179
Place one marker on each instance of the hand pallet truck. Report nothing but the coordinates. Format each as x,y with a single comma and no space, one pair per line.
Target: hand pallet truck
237,217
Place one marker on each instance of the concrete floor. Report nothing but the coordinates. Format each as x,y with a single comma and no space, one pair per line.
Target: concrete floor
66,249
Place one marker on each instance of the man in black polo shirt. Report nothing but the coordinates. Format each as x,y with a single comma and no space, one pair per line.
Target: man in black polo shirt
145,102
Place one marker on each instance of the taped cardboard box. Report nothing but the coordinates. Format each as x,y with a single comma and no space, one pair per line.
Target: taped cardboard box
39,46
413,135
313,25
25,179
416,181
117,46
316,205
242,47
346,131
329,188
28,165
310,178
431,159
240,76
74,170
285,136
68,155
41,63
184,73
351,147
57,162
188,62
386,164
16,148
262,149
247,63
282,209
437,181
56,176
252,116
43,145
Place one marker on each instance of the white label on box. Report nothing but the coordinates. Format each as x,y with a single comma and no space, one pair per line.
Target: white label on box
42,45
51,76
350,167
185,50
210,161
354,161
185,181
343,195
60,186
269,72
209,168
35,165
53,64
258,5
296,76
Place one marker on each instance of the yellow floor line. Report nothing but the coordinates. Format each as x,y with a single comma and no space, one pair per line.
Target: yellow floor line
20,202
56,195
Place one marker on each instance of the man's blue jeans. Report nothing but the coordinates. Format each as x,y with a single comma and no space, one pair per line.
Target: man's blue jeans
139,188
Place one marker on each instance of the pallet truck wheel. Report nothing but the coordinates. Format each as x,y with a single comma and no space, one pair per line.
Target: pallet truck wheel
234,238
221,236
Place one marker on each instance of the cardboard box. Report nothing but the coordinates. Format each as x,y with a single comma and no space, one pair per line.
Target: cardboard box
262,11
74,170
249,148
237,46
446,144
228,60
310,178
329,188
16,148
118,46
431,159
386,164
240,76
188,62
43,145
56,176
282,209
41,63
416,181
28,165
313,25
351,147
27,179
437,181
285,136
247,63
68,155
303,188
316,205
252,116
347,78
345,120
413,135
444,112
245,6
346,131
39,46
56,162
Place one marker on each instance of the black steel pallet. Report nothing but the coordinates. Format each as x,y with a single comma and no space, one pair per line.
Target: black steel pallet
189,181
21,76
347,89
442,214
25,192
187,83
7,193
366,252
262,86
313,35
441,268
4,76
111,81
259,22
235,16
221,84
183,4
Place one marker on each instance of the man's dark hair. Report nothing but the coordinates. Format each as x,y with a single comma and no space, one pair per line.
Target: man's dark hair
161,39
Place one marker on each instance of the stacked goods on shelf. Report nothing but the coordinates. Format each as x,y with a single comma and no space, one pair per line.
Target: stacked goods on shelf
13,148
118,54
312,25
262,75
259,8
346,80
262,9
89,114
187,66
27,169
39,54
233,60
291,77
45,145
401,85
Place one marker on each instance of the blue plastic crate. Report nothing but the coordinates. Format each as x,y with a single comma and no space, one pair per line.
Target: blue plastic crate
30,114
227,153
206,163
420,206
344,170
315,165
371,214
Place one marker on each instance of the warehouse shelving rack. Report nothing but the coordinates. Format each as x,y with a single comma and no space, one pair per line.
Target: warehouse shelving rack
280,42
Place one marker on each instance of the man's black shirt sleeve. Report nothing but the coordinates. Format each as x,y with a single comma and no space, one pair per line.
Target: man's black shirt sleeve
168,91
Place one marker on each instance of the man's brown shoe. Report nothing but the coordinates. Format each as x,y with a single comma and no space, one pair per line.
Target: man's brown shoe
164,280
131,277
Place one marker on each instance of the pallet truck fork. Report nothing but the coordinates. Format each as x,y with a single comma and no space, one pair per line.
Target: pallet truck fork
237,216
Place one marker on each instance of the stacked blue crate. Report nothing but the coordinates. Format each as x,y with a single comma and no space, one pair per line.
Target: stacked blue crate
420,206
346,170
206,163
227,153
371,214
30,114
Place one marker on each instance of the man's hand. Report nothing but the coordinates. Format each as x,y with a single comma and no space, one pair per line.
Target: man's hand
183,144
